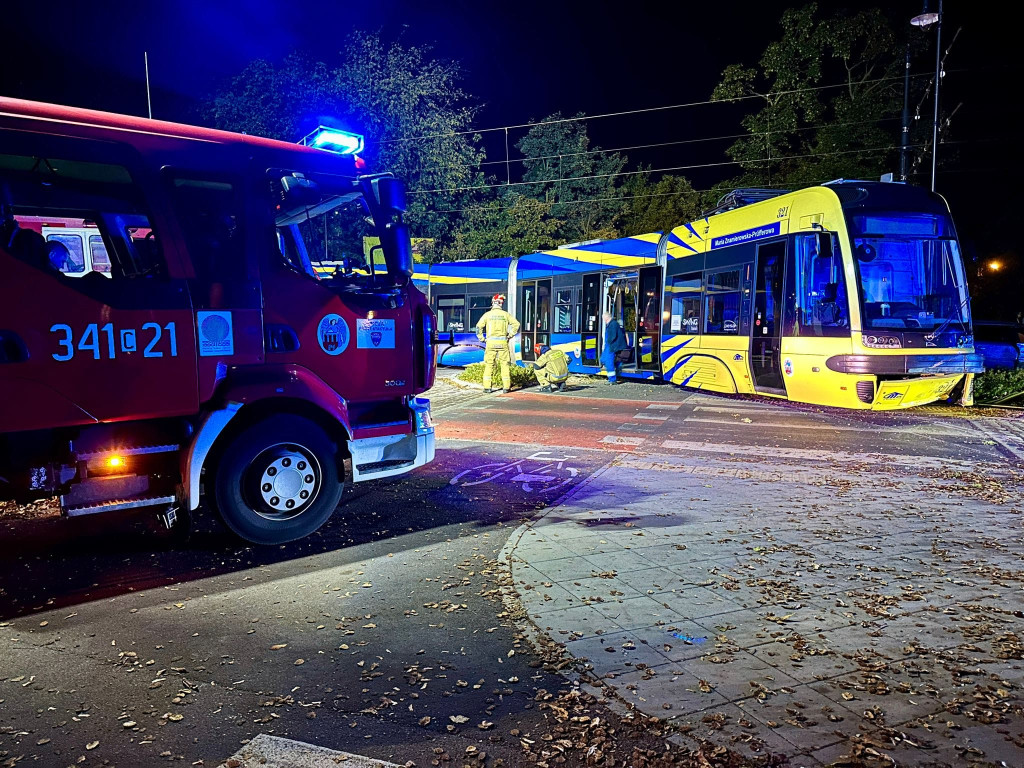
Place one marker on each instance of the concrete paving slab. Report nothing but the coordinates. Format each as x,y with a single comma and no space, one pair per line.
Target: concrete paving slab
616,652
845,607
267,751
637,612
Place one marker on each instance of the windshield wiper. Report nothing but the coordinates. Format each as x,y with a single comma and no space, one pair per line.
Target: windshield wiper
945,323
948,262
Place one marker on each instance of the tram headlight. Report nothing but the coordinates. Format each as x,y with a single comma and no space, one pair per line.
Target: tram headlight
880,341
965,340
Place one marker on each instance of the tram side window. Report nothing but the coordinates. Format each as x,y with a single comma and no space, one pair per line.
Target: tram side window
685,292
478,306
563,311
451,313
817,303
722,306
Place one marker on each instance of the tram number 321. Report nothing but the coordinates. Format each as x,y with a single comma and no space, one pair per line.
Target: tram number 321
104,341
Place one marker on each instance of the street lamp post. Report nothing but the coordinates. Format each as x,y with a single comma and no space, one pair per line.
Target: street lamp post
925,20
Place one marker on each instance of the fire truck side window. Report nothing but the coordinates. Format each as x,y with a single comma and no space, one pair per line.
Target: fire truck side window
75,219
209,213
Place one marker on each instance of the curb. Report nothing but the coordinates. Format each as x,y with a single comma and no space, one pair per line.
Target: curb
572,669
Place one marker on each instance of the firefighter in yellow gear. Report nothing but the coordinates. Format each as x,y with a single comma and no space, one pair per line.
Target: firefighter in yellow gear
552,367
495,329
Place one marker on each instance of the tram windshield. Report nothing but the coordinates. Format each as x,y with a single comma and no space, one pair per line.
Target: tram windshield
910,271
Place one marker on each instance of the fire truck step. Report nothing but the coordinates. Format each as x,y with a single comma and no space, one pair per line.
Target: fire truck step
379,466
115,504
139,450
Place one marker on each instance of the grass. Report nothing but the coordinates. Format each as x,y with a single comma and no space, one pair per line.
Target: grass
521,377
995,386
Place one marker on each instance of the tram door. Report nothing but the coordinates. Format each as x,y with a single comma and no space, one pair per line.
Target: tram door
534,316
621,300
648,324
766,331
591,325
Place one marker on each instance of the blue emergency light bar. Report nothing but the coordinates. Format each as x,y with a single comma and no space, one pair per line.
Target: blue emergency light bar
334,140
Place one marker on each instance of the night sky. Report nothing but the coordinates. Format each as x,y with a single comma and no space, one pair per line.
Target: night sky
523,61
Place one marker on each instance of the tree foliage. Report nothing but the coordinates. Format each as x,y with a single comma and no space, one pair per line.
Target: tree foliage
509,225
650,205
804,130
396,94
579,182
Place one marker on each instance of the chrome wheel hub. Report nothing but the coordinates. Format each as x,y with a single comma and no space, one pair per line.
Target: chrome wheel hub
289,480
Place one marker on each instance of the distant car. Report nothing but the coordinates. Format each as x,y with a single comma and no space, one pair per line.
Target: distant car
1001,344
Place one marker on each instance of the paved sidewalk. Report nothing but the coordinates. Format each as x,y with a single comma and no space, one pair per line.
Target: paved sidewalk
809,608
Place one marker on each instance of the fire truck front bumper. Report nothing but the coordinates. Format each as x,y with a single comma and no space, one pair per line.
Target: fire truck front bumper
376,457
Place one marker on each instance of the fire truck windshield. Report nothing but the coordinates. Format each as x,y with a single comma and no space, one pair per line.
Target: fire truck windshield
329,238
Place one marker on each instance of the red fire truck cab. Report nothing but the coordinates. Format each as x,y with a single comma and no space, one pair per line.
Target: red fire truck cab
164,335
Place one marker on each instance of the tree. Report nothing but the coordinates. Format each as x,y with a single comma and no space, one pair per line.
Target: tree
416,117
805,132
658,206
280,101
510,225
578,182
419,118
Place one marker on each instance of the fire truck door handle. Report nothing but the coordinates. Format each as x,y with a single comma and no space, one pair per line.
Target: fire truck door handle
12,348
281,338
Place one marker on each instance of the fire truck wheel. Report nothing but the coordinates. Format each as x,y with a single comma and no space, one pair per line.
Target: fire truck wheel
278,480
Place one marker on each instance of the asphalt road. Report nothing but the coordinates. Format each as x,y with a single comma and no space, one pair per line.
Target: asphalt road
161,649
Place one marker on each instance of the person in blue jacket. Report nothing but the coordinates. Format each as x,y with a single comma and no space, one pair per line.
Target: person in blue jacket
614,342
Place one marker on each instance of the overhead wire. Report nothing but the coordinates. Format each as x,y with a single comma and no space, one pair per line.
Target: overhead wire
655,170
644,110
658,145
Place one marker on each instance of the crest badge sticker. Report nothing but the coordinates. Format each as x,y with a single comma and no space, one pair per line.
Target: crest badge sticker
332,334
216,334
375,334
788,367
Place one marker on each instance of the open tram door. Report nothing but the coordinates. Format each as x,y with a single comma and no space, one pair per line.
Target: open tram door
766,330
633,297
534,314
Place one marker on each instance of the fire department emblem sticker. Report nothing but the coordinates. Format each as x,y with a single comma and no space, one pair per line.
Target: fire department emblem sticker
376,333
333,334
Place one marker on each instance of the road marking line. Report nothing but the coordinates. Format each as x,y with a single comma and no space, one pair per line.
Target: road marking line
776,425
662,407
733,408
1002,440
769,452
617,440
650,417
267,751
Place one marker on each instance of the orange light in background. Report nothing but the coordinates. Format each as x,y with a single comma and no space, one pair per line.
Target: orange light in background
115,461
995,266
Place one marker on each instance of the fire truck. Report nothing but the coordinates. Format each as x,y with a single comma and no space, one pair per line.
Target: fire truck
165,339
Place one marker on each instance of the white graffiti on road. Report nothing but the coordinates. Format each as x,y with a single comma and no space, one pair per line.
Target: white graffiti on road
541,479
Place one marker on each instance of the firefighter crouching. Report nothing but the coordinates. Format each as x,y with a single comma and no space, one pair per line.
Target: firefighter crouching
495,328
552,367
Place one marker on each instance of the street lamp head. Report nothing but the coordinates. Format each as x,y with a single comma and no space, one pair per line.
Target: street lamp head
925,20
995,266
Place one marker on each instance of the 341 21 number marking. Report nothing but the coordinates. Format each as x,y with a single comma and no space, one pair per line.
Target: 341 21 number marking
100,341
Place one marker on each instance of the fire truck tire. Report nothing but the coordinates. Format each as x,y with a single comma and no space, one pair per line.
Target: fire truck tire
278,480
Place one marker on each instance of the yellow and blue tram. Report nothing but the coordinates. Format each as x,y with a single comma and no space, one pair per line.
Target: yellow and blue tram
849,294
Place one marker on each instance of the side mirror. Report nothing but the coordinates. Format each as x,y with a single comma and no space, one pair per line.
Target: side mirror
397,247
825,245
389,194
300,191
